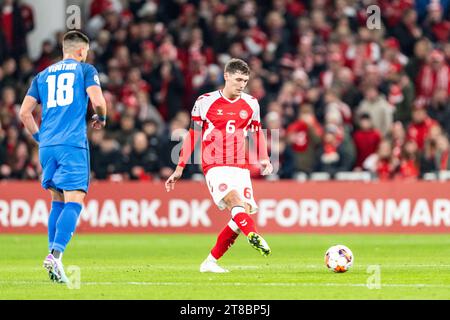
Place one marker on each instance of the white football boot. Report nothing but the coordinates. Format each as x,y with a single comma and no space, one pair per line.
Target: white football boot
55,269
211,266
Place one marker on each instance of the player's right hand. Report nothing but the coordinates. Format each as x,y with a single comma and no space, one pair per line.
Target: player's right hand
97,123
170,182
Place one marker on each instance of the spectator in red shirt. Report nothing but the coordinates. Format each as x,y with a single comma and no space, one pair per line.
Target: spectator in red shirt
366,138
392,57
397,137
436,27
386,163
383,164
365,52
433,75
99,6
409,164
134,86
304,137
392,10
421,124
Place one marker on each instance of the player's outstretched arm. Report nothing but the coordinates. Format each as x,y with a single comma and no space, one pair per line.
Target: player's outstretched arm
26,116
189,142
99,104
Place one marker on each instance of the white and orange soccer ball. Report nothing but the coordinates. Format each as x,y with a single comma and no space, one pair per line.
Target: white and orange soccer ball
339,258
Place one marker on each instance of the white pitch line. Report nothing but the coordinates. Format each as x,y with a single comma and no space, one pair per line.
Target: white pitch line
236,284
183,267
269,284
136,267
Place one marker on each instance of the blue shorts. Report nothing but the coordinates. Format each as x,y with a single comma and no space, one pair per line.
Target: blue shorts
65,168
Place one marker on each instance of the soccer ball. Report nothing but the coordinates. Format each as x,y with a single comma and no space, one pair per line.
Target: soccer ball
339,258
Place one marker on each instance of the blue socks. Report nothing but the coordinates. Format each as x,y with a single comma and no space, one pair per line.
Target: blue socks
55,212
65,226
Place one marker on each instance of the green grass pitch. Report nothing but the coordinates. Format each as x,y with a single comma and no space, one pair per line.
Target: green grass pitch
161,266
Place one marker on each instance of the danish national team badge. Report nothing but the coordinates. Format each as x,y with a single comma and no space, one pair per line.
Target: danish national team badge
243,114
223,187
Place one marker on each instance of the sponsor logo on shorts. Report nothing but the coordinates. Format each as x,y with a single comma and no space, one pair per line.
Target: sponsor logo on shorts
223,187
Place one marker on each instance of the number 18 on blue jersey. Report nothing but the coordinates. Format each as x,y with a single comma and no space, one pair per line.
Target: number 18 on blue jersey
61,90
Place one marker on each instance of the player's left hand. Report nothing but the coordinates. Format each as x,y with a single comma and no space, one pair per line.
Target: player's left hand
97,123
267,167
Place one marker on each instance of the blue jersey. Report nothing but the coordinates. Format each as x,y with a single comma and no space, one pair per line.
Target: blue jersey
61,90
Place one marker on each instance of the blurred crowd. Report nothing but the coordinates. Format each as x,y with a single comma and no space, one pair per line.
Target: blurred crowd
343,97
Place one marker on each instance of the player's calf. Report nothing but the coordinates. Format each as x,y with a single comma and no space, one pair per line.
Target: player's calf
247,225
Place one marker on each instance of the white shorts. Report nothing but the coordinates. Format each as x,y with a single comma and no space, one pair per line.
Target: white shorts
222,180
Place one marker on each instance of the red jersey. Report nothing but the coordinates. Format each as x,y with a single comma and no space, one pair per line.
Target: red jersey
366,143
385,170
408,169
225,124
429,80
419,131
300,131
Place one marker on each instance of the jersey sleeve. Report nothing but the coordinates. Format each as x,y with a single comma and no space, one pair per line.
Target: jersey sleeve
193,135
196,117
90,76
255,126
33,91
255,123
256,117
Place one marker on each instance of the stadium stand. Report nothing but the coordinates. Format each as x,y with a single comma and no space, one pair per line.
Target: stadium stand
348,102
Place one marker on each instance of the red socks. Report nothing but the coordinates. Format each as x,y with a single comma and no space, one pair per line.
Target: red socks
227,236
224,241
245,223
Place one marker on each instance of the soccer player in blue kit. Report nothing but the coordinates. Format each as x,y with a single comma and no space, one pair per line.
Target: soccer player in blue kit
63,90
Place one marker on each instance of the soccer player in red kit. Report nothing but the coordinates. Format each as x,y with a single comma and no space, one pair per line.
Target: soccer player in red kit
222,119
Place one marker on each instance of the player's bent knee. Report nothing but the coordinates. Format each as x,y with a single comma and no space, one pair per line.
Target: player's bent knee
233,199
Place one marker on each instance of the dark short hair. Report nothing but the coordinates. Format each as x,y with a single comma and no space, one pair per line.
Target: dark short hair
76,36
237,65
